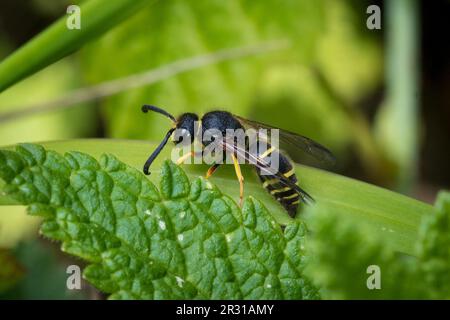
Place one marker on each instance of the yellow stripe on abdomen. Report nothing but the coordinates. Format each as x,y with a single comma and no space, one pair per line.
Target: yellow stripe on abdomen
269,182
289,173
280,190
292,196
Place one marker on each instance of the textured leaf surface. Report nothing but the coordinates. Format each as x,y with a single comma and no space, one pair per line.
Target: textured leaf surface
185,240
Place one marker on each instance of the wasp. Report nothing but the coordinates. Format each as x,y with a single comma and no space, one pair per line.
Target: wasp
281,182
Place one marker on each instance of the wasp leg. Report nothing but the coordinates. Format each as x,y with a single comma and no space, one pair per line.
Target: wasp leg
211,170
240,177
186,156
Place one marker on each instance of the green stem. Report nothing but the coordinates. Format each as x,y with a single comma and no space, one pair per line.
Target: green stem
57,41
402,88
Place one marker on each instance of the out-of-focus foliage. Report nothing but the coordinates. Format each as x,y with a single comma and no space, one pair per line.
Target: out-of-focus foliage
434,248
58,40
349,57
397,123
323,35
175,29
44,278
10,272
45,85
16,225
65,124
342,252
294,89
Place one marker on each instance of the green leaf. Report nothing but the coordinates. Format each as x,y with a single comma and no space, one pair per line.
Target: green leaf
395,217
343,253
57,41
186,241
434,248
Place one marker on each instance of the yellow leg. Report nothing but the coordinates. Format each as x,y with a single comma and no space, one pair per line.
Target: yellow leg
240,177
184,157
211,170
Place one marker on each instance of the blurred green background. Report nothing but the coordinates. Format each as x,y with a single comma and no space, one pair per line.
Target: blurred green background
379,99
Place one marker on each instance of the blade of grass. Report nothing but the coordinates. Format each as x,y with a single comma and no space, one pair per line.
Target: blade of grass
396,216
57,41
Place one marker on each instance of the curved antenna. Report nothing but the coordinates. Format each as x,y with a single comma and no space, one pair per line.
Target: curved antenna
146,108
157,151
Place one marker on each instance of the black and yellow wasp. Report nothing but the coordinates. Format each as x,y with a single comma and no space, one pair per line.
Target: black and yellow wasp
281,183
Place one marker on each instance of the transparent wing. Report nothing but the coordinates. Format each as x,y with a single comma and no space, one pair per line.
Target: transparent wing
230,147
294,144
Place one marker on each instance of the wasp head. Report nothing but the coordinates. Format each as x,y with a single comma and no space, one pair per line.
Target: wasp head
185,129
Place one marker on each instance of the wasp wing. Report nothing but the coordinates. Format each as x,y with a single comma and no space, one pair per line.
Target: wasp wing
294,144
240,152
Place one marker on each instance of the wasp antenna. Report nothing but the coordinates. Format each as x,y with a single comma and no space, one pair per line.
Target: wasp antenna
146,108
157,151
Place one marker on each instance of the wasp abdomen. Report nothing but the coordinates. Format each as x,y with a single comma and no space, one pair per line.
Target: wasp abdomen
285,195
